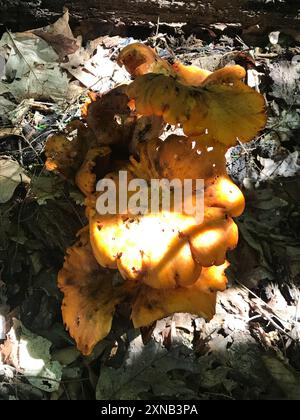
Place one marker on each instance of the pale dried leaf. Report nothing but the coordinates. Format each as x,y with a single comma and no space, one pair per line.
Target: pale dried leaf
286,168
11,175
32,69
286,81
30,355
146,369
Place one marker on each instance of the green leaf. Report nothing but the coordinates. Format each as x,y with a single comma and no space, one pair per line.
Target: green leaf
46,188
285,377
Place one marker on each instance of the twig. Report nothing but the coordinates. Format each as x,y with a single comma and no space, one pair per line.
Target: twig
157,26
263,314
239,39
218,395
20,151
297,310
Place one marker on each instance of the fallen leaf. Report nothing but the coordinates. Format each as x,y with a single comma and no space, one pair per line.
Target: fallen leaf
287,167
94,73
11,175
32,69
30,355
62,45
285,76
7,132
6,107
147,369
59,35
285,377
46,188
284,123
66,356
2,66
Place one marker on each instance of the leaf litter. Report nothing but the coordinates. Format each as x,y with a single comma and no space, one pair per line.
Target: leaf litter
250,350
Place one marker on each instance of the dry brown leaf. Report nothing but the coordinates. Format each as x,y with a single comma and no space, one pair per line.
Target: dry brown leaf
59,35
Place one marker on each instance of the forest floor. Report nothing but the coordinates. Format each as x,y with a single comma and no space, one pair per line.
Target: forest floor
251,348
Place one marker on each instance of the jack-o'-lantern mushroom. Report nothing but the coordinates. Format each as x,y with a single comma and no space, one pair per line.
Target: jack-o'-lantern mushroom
168,260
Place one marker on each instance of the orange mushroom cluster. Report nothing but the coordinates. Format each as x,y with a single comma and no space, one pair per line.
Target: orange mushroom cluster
168,261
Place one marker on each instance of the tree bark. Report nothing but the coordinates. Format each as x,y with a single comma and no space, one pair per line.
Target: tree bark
20,15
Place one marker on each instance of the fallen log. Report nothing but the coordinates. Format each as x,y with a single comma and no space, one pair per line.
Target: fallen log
19,15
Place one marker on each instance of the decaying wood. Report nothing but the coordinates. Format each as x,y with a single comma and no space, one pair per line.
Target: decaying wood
20,14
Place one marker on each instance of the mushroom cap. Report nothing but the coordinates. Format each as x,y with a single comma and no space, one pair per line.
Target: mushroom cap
90,298
223,106
95,166
140,59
